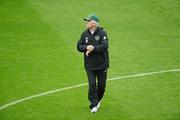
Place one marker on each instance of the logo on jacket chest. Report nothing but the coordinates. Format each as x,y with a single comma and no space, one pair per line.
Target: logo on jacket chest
97,38
86,38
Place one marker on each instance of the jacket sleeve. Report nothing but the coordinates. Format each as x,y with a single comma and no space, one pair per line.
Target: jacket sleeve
103,44
80,45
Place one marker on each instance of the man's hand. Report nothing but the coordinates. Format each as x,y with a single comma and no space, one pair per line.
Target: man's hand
89,48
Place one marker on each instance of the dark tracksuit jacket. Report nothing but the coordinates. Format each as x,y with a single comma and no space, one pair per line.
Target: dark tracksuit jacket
98,59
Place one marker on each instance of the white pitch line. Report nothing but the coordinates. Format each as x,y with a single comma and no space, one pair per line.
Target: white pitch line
79,85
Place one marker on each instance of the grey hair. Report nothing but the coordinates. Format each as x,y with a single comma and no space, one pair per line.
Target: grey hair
97,24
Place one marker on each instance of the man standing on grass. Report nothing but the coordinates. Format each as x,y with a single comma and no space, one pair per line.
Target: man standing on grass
94,44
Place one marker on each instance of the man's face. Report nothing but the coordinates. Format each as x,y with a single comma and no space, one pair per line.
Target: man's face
90,24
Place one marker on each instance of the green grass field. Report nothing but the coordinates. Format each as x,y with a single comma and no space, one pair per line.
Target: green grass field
38,54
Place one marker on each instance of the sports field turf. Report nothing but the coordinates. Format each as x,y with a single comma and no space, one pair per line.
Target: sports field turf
38,54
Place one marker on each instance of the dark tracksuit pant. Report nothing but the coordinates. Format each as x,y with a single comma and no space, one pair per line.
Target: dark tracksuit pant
96,89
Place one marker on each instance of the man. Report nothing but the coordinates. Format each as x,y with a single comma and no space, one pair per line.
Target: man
94,44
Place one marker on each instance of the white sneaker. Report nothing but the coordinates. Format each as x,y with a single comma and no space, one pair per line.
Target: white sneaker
98,105
94,110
